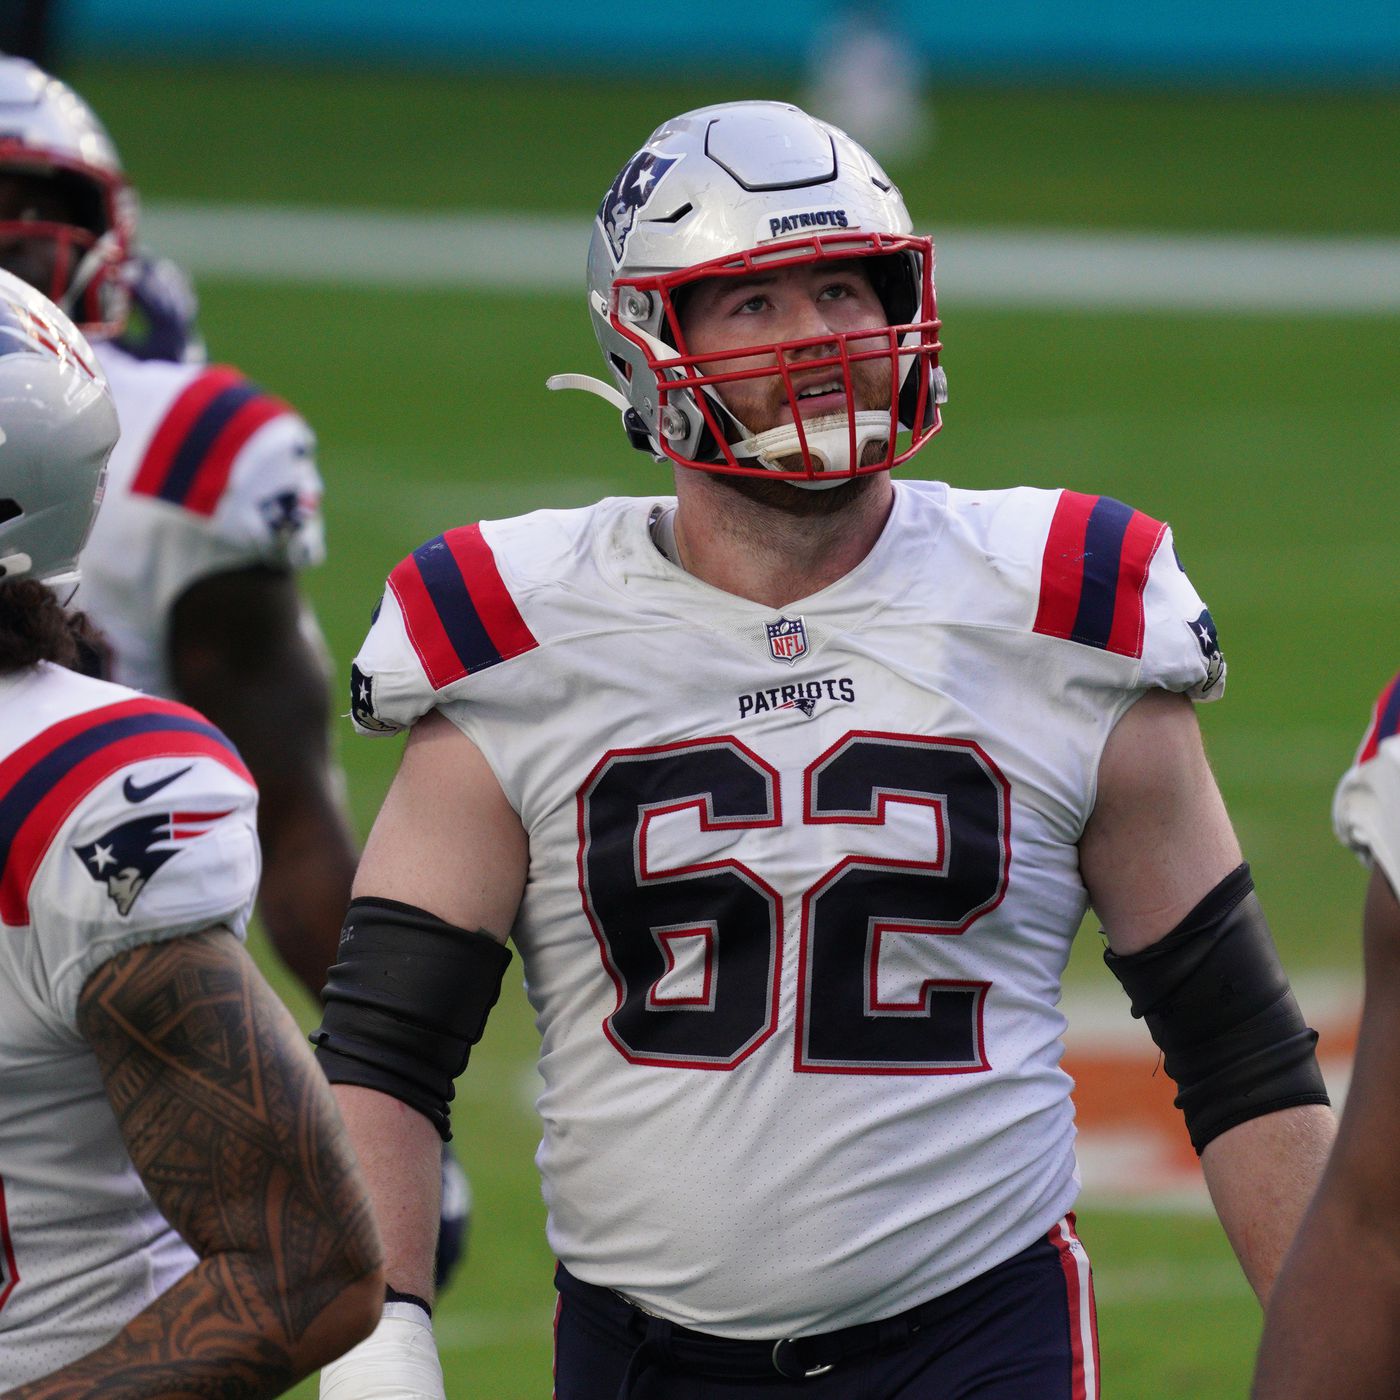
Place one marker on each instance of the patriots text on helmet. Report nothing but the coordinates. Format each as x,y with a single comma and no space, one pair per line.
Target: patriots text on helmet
780,225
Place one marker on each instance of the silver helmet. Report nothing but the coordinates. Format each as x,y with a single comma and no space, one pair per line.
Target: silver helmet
49,135
740,189
57,427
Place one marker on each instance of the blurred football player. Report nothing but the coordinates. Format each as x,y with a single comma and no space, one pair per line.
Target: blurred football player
213,505
1333,1328
792,790
180,1210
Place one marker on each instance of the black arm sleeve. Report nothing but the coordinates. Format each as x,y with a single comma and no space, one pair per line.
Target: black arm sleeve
405,1002
1218,1004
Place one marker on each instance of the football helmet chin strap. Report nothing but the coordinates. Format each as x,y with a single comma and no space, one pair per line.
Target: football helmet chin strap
828,442
828,438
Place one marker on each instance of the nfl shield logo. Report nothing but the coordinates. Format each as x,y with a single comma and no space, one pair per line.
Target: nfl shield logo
787,639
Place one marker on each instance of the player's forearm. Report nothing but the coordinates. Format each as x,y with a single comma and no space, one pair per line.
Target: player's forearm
401,1158
1330,1332
217,1332
1262,1175
233,1130
309,859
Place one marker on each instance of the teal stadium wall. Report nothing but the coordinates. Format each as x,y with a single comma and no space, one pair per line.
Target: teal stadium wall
1346,41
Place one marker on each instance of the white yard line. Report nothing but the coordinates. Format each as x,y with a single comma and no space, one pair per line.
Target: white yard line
993,267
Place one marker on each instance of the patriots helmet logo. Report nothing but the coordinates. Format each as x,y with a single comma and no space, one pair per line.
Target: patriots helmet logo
629,193
126,857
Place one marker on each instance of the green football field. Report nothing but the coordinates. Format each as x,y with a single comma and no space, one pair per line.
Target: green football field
1268,440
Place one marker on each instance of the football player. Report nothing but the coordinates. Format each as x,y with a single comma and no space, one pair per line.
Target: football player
1333,1328
180,1211
791,790
213,505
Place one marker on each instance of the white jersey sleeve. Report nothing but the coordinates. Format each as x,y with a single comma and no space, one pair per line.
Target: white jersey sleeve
164,843
1181,647
1366,809
211,475
271,511
1110,579
446,614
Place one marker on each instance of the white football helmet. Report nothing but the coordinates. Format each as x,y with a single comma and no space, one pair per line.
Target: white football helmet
47,131
58,425
727,191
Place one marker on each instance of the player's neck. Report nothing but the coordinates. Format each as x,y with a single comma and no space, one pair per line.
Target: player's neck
748,539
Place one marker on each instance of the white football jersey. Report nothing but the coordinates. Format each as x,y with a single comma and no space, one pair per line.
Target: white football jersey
123,820
802,883
1366,809
210,474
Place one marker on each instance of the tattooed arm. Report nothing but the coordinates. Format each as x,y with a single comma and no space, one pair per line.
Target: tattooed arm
235,1134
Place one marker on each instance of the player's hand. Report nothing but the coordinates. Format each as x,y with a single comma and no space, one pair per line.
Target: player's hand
397,1361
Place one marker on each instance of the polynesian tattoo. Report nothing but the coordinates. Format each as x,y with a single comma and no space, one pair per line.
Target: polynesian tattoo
236,1137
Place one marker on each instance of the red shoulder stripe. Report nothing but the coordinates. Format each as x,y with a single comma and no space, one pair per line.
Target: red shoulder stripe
189,403
1098,553
494,605
1385,721
1062,565
212,476
191,453
1141,539
456,608
43,781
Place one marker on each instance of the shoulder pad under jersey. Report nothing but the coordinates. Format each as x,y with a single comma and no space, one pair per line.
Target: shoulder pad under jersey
446,614
1366,808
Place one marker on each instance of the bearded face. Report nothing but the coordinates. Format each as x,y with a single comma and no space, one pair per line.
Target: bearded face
819,304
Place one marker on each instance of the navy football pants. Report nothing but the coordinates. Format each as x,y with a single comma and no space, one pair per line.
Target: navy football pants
1024,1330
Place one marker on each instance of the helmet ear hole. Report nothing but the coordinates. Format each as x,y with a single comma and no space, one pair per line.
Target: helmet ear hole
909,398
9,510
894,279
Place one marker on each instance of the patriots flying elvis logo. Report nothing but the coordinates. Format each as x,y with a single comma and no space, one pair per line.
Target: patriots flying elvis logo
362,703
1203,628
126,857
630,191
286,512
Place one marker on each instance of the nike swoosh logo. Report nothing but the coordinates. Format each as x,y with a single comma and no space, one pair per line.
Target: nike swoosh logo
134,792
